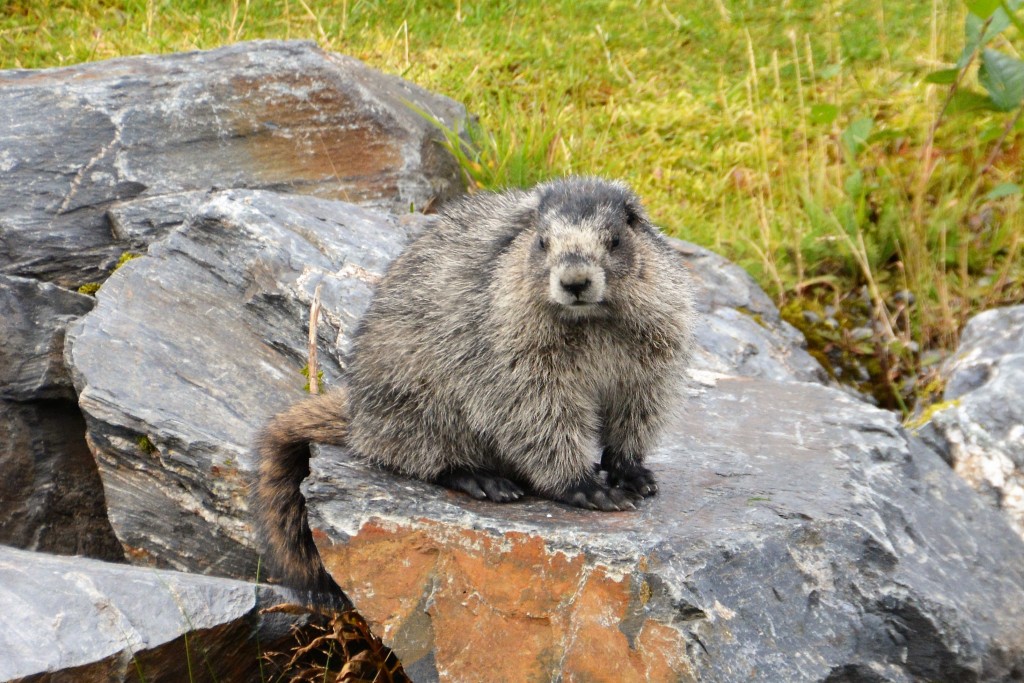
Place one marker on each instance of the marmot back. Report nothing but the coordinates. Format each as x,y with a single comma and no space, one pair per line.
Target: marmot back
527,337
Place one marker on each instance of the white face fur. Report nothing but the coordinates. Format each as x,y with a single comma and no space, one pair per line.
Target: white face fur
576,256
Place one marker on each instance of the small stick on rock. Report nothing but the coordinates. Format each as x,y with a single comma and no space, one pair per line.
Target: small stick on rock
314,317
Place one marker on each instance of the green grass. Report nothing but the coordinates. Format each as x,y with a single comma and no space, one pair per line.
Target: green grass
789,136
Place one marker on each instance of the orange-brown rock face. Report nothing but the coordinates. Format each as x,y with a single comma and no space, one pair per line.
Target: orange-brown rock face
471,600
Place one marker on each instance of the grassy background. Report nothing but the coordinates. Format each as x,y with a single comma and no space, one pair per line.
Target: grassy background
790,136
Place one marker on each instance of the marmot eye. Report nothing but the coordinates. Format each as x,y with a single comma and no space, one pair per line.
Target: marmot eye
542,243
614,242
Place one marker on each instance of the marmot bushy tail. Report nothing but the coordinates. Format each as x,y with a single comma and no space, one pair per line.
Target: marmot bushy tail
283,454
526,337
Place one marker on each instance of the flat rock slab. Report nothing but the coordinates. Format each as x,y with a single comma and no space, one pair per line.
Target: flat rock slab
979,427
279,115
799,535
72,619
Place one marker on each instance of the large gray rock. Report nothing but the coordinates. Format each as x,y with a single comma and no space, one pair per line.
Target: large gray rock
72,619
193,346
799,535
979,427
280,115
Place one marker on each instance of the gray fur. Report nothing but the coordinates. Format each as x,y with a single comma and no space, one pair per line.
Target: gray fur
528,336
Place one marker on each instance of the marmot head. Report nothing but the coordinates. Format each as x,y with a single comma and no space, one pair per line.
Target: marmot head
585,243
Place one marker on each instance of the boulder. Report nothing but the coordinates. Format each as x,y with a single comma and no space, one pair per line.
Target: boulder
98,159
195,344
73,619
76,140
799,535
979,426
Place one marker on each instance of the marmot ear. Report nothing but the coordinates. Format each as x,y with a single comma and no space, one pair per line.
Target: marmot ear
527,211
636,217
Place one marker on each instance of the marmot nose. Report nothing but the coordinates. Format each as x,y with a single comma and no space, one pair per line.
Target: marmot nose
576,286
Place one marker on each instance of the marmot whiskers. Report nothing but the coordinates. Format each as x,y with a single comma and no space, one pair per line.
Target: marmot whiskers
524,338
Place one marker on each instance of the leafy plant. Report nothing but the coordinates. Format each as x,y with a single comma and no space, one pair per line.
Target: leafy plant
999,73
927,237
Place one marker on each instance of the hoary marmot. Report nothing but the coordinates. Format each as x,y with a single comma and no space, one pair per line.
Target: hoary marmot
526,337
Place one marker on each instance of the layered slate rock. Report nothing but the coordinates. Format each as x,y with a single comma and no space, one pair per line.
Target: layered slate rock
191,347
979,427
799,534
72,619
287,116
